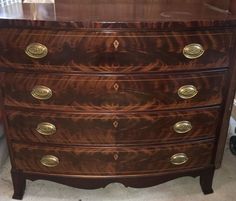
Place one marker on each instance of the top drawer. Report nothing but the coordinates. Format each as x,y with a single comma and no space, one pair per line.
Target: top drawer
113,52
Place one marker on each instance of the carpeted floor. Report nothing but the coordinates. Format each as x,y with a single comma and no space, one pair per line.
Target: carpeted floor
182,189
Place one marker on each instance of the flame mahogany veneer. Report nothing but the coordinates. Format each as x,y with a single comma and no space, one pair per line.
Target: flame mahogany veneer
113,73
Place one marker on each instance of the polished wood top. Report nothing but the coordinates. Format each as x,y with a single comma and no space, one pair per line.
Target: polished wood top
115,14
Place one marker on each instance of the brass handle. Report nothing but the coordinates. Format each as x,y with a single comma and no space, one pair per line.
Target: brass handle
183,127
36,50
193,51
179,159
49,161
187,91
46,128
41,92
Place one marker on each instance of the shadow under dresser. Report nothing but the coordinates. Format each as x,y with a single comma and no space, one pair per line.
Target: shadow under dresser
136,92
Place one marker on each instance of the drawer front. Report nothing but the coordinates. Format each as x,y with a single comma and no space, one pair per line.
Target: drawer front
111,161
112,52
111,93
103,129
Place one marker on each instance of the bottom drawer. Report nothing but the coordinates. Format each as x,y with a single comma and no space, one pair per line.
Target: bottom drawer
112,160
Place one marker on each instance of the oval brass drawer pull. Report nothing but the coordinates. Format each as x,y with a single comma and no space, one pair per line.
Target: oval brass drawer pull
49,161
46,128
193,51
41,92
179,159
187,91
183,127
36,50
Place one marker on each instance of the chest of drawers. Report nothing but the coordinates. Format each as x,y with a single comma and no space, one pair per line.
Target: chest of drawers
126,92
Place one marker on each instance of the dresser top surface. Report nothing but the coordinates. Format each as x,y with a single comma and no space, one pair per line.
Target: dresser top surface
113,14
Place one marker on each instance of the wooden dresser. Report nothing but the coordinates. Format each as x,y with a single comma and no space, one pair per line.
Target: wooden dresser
136,92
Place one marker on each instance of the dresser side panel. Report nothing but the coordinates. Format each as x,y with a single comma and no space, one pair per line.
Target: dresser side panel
229,97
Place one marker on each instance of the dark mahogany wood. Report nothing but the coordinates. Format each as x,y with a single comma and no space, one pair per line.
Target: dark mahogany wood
19,183
206,180
223,5
117,14
102,182
229,98
112,160
112,129
135,85
114,93
94,52
226,5
232,6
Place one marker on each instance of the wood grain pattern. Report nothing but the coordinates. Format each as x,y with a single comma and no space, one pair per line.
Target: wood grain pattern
99,129
95,84
90,52
101,161
99,93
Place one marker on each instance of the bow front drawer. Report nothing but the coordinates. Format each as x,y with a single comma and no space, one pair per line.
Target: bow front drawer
112,160
112,129
113,93
113,52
